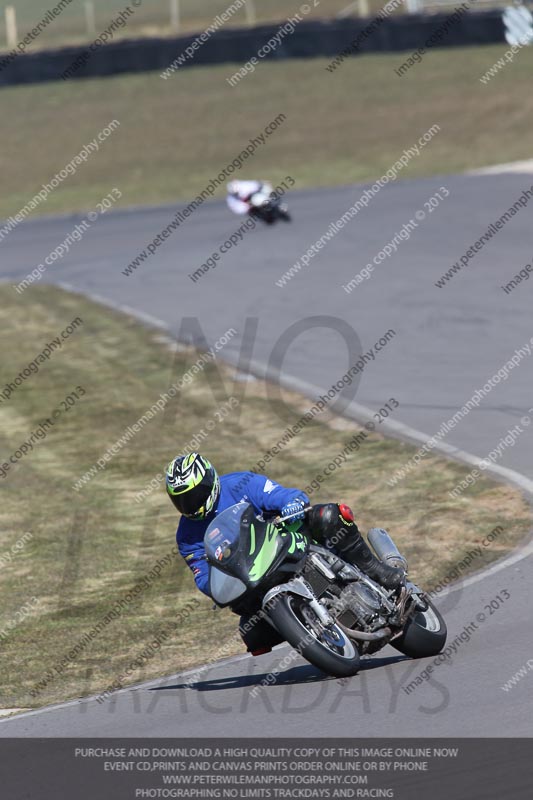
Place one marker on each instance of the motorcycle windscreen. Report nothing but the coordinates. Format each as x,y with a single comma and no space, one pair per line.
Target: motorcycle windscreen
241,544
224,588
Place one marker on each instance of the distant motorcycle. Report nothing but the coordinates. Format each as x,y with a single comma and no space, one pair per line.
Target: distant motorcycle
258,199
270,210
330,611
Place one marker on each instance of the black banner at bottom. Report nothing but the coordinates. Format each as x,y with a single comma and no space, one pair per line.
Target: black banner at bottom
138,769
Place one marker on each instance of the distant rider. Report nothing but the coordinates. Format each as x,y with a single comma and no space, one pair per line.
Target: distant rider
245,196
199,494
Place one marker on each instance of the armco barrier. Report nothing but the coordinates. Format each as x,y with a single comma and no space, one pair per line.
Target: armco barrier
309,40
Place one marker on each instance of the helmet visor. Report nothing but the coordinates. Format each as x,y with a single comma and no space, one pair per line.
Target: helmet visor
192,502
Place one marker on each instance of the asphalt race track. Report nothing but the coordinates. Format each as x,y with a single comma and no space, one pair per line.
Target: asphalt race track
447,343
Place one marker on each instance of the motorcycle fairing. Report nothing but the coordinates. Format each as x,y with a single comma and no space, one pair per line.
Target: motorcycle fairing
242,545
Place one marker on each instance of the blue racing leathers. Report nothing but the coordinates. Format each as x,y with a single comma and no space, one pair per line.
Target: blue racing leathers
260,491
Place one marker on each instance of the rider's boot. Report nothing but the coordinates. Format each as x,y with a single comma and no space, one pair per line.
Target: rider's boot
258,635
335,523
356,551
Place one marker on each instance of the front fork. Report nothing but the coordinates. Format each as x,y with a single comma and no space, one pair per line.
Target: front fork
301,588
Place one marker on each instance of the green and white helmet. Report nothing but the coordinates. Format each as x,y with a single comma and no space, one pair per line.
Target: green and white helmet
193,485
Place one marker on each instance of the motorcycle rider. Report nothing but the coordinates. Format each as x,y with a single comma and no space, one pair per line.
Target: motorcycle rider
199,494
245,196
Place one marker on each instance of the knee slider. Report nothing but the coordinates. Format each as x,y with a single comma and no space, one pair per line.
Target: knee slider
331,521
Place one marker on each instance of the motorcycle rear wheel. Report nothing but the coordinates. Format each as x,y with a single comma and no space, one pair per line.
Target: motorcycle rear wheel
328,649
424,635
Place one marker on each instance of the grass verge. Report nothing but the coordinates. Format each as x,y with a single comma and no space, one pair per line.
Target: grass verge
82,551
341,127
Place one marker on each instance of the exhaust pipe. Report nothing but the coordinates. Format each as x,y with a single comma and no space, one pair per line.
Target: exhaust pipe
365,636
385,548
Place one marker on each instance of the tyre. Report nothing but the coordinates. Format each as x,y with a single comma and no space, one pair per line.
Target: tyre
265,214
326,648
424,635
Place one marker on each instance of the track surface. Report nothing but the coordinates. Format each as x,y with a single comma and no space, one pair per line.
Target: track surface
448,342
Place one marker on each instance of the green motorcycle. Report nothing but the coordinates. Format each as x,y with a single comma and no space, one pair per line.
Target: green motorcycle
330,611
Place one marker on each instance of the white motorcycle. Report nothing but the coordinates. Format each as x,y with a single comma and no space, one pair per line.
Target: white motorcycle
263,203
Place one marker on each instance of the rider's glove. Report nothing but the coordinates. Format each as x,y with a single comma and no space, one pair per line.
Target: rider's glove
294,509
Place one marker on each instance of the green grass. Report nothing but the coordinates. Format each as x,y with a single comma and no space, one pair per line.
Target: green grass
88,548
341,127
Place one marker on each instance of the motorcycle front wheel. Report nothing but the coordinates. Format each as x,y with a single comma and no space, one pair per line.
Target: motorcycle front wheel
327,648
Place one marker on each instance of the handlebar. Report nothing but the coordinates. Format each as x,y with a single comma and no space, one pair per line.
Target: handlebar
278,520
